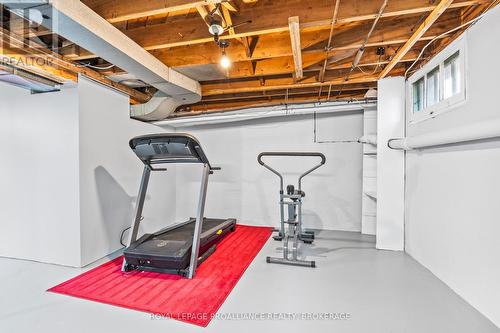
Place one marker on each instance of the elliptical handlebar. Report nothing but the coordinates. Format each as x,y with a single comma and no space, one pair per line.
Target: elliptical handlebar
299,154
292,154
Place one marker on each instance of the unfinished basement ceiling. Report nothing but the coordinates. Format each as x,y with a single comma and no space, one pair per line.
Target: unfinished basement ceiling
274,59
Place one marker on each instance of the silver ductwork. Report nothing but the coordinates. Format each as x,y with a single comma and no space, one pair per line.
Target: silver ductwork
79,24
157,108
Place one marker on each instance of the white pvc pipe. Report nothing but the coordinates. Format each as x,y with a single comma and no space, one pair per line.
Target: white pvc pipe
478,131
264,112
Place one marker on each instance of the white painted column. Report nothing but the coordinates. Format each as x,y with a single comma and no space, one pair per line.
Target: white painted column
390,164
369,195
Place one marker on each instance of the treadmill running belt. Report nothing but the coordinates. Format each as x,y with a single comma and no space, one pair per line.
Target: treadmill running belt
169,250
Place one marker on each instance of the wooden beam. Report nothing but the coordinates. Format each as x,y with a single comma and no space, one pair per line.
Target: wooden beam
278,84
293,23
249,43
32,34
277,93
54,65
70,51
116,11
203,11
262,101
389,32
231,6
361,50
311,63
264,18
429,21
227,18
38,65
332,27
337,77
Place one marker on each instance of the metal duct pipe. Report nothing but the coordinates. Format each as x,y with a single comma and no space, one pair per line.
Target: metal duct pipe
265,112
155,109
478,131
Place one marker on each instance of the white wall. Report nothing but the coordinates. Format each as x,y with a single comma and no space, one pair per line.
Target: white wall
68,177
39,198
452,220
390,165
249,192
110,173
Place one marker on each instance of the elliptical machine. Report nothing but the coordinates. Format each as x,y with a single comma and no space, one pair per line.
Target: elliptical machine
292,199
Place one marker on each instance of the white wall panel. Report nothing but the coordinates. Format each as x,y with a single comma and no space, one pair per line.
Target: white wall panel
39,188
390,164
110,173
452,222
249,192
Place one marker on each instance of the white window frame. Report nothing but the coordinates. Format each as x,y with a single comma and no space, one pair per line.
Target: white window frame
443,105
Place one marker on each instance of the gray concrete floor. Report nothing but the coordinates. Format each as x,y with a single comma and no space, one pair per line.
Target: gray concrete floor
382,291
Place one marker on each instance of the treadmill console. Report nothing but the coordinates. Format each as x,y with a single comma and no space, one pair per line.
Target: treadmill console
168,148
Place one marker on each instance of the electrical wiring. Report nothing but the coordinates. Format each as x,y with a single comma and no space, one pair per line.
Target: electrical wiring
444,34
121,237
372,73
374,70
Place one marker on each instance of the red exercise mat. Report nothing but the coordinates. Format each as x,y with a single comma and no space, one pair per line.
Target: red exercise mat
194,301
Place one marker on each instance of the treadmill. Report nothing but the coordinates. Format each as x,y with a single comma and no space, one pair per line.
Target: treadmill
181,248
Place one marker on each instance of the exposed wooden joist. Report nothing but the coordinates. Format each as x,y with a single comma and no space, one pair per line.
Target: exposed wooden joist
330,36
429,21
277,84
361,50
208,108
116,11
278,93
294,25
276,45
263,22
204,13
230,5
311,63
285,64
390,32
38,65
54,65
227,18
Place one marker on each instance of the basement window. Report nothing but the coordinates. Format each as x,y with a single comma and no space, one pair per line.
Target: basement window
432,96
452,76
418,95
440,85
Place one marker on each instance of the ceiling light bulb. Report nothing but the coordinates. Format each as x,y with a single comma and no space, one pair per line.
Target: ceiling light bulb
224,61
216,29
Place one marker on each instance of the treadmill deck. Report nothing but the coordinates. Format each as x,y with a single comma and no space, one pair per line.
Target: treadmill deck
170,249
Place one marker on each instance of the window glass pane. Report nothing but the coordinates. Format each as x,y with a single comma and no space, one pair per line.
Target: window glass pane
452,75
418,95
433,87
